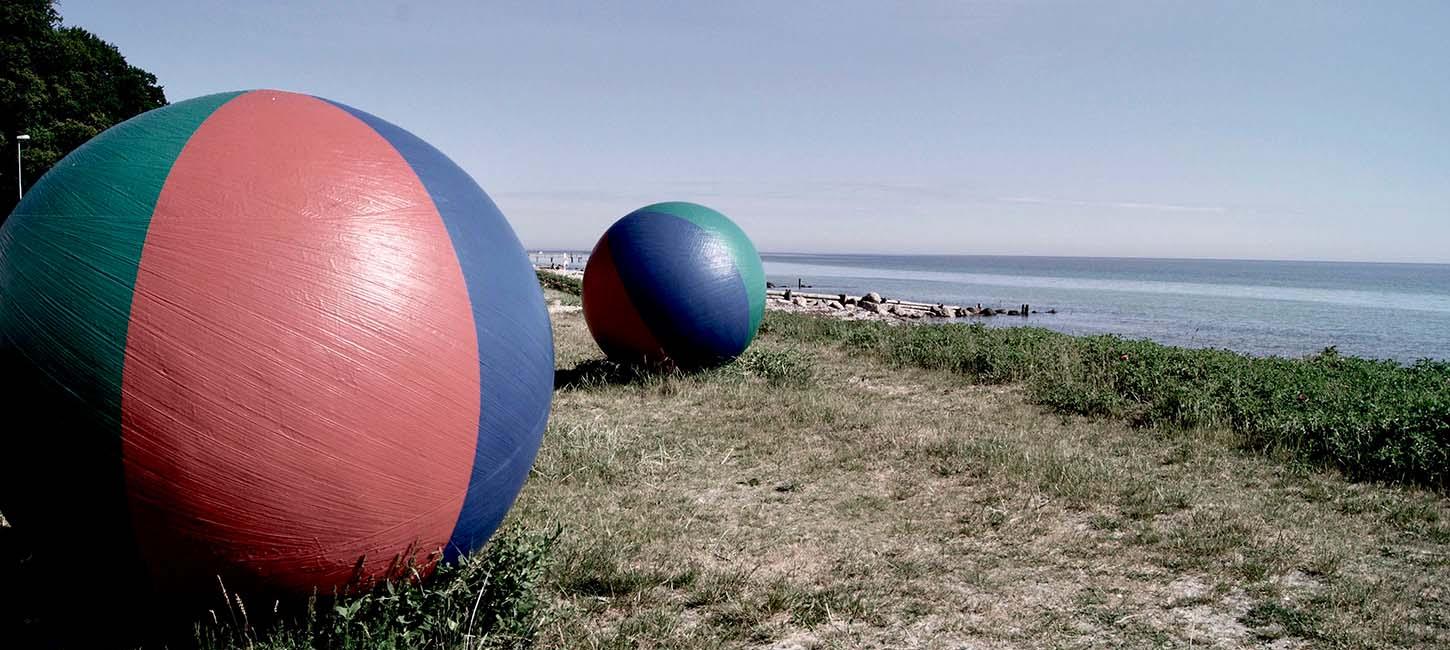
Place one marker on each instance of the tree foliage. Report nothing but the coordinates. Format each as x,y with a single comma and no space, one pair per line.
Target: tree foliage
60,85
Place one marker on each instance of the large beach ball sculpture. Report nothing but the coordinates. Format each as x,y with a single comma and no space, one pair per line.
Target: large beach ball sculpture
268,338
674,283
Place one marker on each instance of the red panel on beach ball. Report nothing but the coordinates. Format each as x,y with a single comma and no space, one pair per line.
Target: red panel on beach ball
249,436
277,342
611,315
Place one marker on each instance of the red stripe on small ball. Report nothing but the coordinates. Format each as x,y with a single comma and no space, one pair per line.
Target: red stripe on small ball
611,316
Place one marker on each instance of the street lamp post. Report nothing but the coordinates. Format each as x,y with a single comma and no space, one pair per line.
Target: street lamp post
19,182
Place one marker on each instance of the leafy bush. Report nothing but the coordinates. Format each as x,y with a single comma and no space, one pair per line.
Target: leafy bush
567,284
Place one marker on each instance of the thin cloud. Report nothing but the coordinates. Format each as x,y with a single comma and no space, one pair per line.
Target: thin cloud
1129,205
567,194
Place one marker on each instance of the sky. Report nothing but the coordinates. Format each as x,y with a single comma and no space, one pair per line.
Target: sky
1263,130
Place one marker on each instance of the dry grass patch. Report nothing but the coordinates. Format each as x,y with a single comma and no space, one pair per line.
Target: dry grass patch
808,496
805,497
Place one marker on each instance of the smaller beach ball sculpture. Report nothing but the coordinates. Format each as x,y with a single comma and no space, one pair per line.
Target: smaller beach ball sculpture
268,339
674,283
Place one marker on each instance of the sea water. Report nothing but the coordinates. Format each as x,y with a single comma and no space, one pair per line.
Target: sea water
1383,311
1379,311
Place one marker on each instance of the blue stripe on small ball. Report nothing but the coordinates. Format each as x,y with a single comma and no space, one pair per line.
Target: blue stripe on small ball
683,282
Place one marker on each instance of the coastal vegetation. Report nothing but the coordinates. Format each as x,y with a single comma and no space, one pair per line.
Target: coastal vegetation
565,286
855,484
849,484
1370,419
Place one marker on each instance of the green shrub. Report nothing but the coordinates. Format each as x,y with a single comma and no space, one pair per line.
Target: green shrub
549,280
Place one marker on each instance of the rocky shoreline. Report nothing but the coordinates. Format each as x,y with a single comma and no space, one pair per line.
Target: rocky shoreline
871,306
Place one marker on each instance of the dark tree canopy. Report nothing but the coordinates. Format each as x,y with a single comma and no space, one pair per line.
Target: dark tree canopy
62,86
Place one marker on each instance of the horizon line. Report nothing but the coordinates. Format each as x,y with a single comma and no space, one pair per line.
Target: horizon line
532,250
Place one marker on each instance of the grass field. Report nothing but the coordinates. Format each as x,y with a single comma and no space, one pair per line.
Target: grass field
840,487
814,496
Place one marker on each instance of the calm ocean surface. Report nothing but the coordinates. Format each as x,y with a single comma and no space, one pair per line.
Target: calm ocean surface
1386,311
1380,311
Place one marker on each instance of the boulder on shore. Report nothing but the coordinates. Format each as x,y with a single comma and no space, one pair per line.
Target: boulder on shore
872,297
